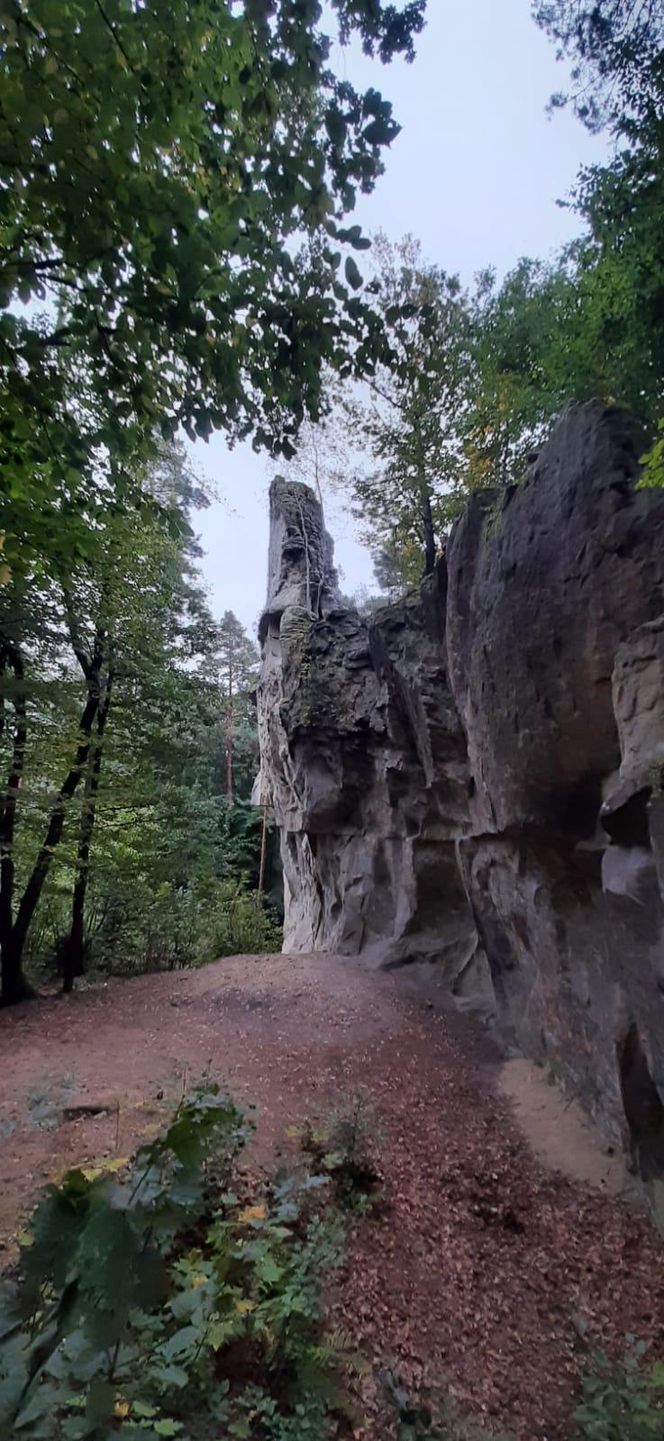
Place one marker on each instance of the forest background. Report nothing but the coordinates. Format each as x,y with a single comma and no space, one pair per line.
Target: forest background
179,257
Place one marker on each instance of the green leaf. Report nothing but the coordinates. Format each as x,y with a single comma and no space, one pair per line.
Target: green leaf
180,1342
42,1399
142,1410
167,1376
380,132
352,273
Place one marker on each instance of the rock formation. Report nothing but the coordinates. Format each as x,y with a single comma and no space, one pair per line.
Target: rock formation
473,776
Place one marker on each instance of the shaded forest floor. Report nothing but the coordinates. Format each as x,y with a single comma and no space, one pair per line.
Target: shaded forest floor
481,1255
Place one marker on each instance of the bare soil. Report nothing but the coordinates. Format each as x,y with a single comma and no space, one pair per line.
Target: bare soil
500,1223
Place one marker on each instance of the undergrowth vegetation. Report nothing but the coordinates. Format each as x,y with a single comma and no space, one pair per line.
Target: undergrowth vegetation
345,1149
622,1401
167,1297
242,923
161,1300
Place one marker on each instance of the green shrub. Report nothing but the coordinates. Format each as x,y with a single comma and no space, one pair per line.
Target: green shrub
241,924
155,926
624,1401
154,1301
345,1150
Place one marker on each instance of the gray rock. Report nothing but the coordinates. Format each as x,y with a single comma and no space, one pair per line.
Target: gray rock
300,564
472,779
364,762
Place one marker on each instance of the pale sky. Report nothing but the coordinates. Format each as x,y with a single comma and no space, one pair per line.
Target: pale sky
475,174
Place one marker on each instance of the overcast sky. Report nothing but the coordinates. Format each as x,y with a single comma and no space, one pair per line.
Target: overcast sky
475,173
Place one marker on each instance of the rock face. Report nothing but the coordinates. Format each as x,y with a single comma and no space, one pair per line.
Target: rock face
363,759
473,777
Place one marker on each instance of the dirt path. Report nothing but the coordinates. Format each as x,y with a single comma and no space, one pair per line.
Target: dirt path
483,1254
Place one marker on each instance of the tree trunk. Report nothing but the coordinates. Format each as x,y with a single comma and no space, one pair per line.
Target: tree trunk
261,868
14,986
229,727
74,955
429,534
42,866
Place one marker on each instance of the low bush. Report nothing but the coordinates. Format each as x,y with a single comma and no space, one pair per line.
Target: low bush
622,1401
155,1300
345,1149
242,924
165,928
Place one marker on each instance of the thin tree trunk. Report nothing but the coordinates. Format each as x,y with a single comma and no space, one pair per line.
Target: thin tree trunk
229,726
261,868
14,986
429,534
42,866
74,956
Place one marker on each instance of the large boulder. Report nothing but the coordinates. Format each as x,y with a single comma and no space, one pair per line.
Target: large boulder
472,778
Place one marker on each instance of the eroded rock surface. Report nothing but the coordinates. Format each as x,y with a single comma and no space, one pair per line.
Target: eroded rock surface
473,777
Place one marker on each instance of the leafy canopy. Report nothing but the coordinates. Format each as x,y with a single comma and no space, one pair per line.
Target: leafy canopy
174,177
615,47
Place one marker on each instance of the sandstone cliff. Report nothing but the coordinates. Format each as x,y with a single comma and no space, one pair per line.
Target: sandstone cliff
473,777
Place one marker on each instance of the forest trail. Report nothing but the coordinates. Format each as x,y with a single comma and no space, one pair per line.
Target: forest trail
481,1256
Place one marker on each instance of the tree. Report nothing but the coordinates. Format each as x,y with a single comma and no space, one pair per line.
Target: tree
526,368
175,183
236,666
617,53
175,179
150,865
410,413
121,616
143,606
615,48
19,649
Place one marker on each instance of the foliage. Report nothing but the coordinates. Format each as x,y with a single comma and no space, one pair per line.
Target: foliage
345,1150
174,185
236,671
615,48
653,461
622,1402
154,1301
173,877
617,53
242,924
175,182
507,360
407,417
520,380
474,379
133,876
